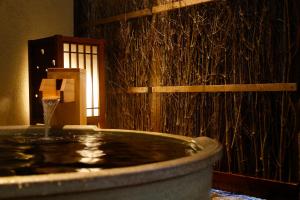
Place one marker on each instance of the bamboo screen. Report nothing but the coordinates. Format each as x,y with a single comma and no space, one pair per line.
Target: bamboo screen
223,42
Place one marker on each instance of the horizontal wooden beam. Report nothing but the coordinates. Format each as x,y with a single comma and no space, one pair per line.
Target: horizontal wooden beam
125,16
228,88
264,87
176,5
133,90
148,12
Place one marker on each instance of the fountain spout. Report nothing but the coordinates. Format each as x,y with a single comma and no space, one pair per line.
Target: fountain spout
62,89
66,86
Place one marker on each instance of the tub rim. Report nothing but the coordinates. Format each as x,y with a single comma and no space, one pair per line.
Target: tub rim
53,184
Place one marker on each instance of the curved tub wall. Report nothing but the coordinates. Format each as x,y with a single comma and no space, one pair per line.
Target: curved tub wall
184,178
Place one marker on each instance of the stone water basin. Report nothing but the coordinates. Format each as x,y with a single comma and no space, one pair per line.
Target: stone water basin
84,162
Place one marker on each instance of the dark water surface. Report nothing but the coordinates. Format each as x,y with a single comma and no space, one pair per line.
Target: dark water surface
31,153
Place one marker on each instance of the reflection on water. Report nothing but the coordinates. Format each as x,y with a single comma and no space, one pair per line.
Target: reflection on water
23,154
91,153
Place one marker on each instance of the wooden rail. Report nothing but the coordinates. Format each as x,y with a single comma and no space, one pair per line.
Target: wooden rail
125,16
265,87
228,88
133,90
148,12
176,5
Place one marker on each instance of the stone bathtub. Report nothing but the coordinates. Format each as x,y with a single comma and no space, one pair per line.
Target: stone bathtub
185,178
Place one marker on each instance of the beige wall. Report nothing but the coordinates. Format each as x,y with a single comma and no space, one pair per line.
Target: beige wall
20,21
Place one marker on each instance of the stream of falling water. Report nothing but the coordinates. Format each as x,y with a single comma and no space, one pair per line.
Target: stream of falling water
49,106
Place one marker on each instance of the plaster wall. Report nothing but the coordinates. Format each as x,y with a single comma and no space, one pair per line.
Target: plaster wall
20,21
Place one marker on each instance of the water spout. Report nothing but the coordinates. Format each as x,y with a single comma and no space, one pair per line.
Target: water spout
65,87
49,106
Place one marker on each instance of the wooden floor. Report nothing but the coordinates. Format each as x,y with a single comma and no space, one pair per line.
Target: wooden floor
254,186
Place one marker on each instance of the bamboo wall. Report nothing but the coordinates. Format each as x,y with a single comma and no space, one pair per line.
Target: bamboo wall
222,42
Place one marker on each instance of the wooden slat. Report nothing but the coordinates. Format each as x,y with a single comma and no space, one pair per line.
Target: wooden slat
266,87
176,5
155,76
149,12
131,90
126,16
228,88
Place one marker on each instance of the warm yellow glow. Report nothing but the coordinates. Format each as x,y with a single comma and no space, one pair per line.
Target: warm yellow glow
73,48
81,61
80,48
66,60
90,153
87,49
95,86
87,59
22,21
66,47
89,87
90,156
95,49
74,60
21,89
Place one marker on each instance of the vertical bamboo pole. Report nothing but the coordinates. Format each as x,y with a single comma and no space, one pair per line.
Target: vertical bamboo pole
155,99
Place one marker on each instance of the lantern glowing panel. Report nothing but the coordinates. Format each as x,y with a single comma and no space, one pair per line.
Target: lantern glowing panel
85,57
